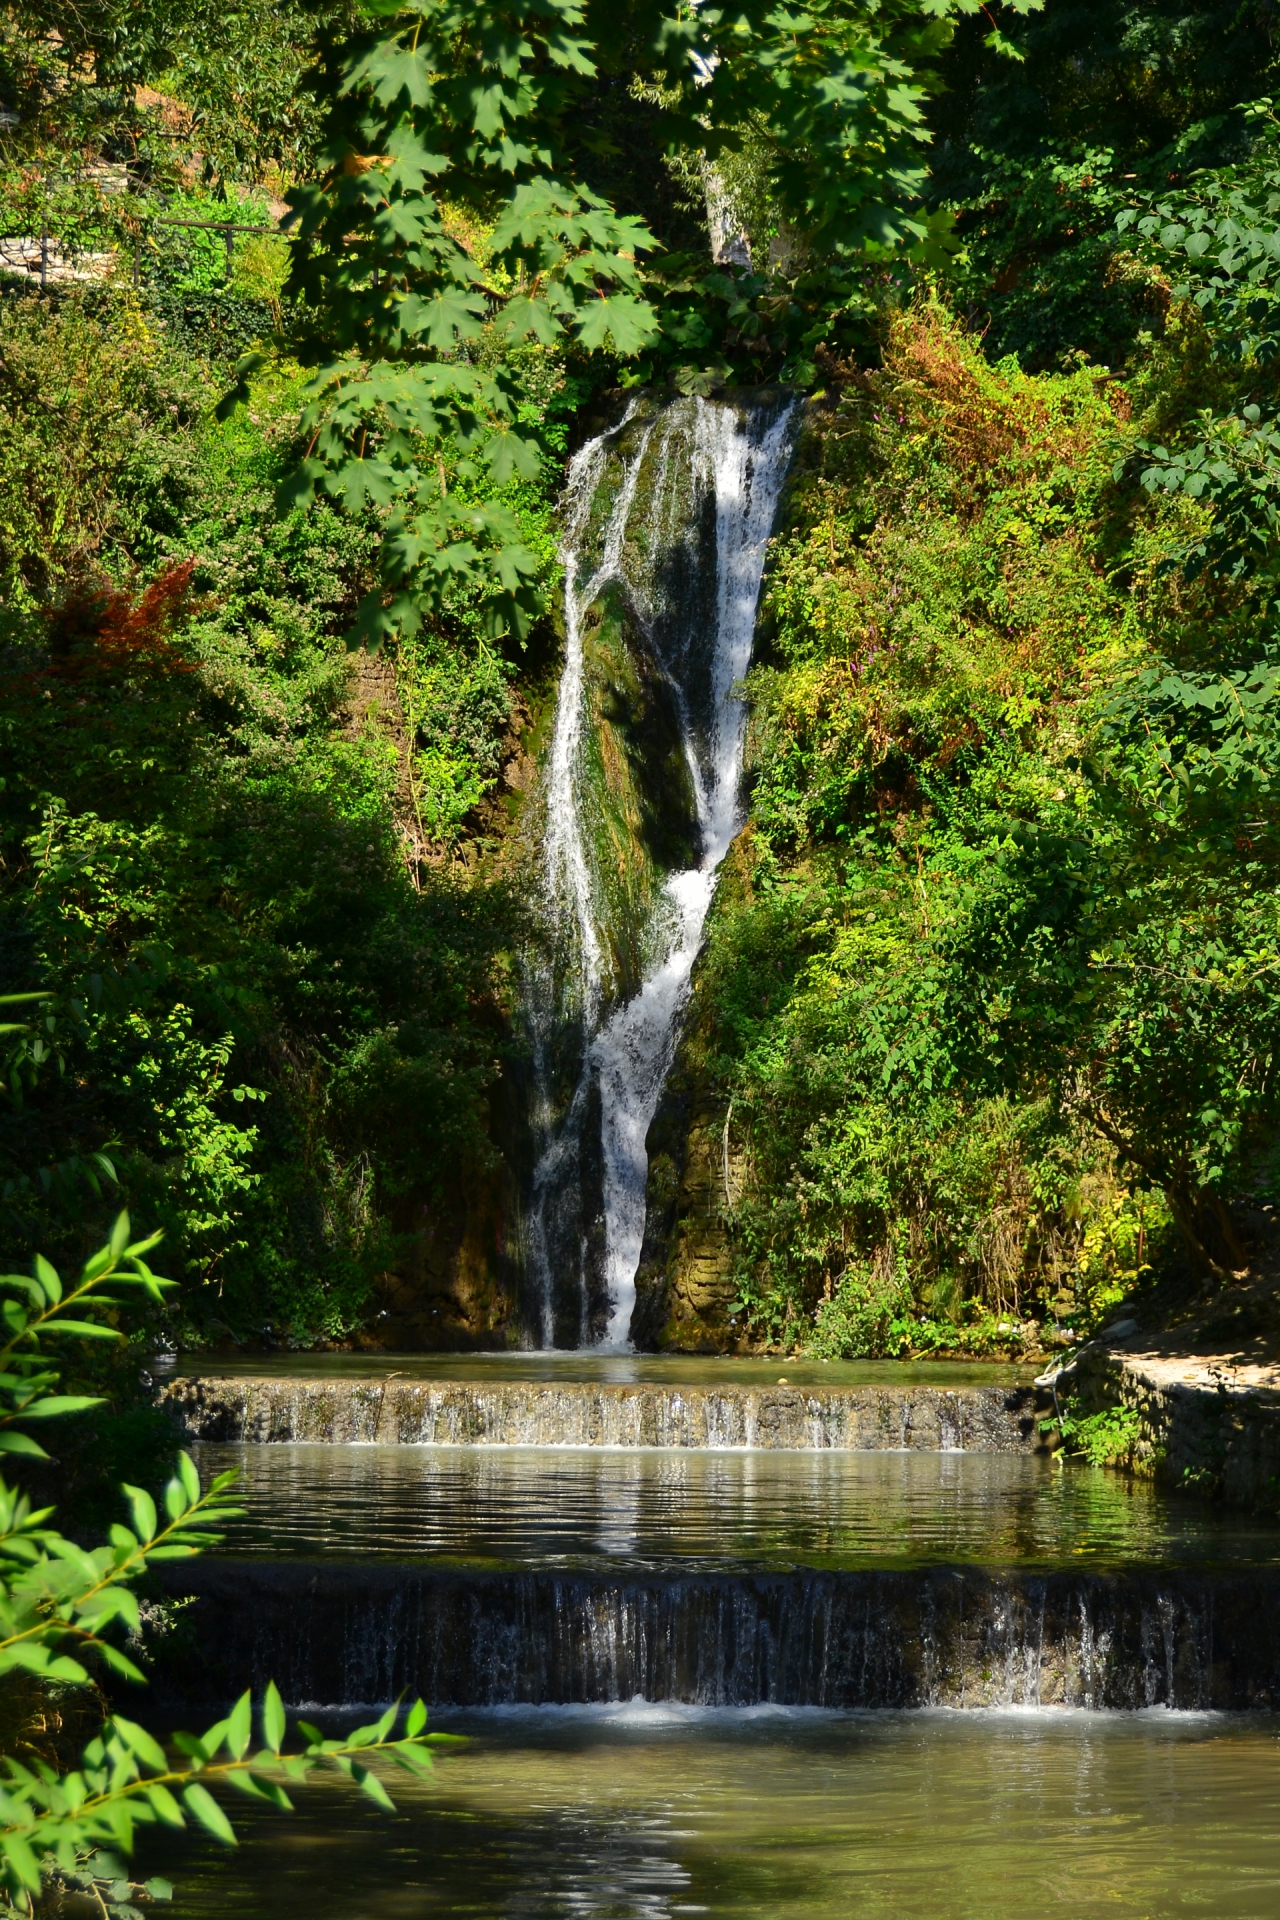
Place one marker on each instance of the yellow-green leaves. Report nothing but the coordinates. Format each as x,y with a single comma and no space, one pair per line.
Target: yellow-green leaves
59,1602
200,1803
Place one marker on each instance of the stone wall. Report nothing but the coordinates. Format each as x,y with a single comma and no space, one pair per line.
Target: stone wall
339,1634
1204,1423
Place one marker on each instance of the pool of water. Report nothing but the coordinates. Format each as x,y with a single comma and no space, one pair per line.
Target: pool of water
638,1813
566,1369
641,1508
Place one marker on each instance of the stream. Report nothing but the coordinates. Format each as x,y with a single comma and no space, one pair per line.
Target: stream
639,1813
805,1678
724,1637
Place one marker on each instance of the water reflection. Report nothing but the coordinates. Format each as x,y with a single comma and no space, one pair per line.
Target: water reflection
636,1814
672,1508
571,1368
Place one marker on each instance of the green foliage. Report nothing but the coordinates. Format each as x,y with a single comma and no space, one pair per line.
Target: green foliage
204,846
192,257
1216,248
1104,1438
88,409
58,1601
400,418
1037,155
442,122
61,1829
1216,240
994,1010
994,1005
137,77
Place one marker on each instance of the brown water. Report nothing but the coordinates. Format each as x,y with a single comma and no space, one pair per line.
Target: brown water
640,1813
638,1508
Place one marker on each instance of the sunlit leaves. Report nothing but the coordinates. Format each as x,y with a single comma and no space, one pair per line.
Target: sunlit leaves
273,1723
395,74
444,319
59,1602
1234,468
1218,242
620,322
401,416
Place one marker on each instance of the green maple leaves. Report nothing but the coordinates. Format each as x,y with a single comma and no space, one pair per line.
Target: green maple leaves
454,118
401,415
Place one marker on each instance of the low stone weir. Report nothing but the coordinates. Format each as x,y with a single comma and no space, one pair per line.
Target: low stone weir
342,1634
995,1419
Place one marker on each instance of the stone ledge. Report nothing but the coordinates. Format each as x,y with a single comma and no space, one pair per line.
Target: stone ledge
338,1633
995,1419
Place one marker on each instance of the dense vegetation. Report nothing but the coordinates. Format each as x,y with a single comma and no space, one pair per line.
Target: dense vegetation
996,1007
265,997
992,998
989,1002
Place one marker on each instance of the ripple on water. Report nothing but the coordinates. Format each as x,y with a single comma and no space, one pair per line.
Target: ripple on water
640,1813
647,1507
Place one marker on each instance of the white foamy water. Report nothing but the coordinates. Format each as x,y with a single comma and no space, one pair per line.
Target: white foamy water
707,455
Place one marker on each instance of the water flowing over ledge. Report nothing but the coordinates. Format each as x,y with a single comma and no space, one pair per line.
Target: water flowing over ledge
667,520
341,1634
998,1419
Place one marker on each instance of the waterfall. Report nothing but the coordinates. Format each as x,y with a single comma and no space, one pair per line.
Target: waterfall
511,1413
341,1633
652,726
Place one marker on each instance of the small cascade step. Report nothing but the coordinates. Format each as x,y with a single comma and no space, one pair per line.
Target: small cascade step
336,1634
996,1418
699,1532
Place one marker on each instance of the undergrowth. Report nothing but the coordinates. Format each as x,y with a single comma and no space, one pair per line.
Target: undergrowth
971,992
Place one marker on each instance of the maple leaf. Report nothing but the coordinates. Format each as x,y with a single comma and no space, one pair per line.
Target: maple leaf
629,323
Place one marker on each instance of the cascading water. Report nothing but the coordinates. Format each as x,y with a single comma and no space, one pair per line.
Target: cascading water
668,517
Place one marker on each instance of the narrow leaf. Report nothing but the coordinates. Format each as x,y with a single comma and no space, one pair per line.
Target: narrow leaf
189,1477
370,1784
273,1724
201,1804
166,1808
139,1742
143,1508
240,1727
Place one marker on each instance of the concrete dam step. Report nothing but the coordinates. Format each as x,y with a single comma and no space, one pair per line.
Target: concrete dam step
264,1409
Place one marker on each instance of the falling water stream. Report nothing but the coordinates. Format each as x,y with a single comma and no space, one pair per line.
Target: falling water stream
669,512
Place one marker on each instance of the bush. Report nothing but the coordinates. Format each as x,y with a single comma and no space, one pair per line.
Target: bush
984,1001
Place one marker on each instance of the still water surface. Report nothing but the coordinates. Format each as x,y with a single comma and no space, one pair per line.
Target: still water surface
583,1367
636,1508
637,1813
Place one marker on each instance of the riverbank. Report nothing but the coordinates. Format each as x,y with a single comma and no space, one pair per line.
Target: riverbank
1208,1422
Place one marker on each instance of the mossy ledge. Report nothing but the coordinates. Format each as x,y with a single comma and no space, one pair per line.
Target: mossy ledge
994,1419
1203,1423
